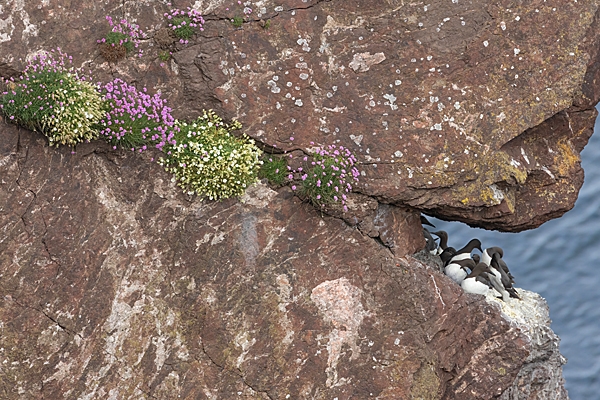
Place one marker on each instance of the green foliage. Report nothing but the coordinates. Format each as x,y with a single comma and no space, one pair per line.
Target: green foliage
164,55
120,39
326,179
209,161
267,24
274,169
54,101
183,28
237,21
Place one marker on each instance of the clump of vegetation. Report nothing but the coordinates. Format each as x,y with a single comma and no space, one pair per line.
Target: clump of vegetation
184,23
209,161
122,39
237,21
164,55
328,177
265,24
134,119
54,99
274,169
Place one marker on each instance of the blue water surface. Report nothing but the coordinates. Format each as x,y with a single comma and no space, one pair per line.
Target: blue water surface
561,261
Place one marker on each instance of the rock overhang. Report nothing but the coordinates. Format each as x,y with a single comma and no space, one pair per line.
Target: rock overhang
430,97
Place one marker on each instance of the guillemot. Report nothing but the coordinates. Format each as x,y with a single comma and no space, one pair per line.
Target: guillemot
447,254
496,280
486,255
457,270
465,252
443,235
425,221
430,243
505,279
477,282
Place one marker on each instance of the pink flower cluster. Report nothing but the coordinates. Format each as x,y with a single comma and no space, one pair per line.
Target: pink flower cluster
184,23
54,61
127,34
327,178
136,117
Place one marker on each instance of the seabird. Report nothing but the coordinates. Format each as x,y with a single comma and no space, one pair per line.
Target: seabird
457,270
465,252
447,254
443,235
504,278
430,245
495,279
486,255
425,221
477,282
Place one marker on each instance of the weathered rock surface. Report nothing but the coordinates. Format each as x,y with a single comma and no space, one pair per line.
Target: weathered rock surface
115,285
541,376
467,110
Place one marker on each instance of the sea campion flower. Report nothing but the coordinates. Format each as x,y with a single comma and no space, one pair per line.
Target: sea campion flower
54,98
207,160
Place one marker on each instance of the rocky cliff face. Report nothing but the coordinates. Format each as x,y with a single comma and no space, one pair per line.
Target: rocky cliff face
116,285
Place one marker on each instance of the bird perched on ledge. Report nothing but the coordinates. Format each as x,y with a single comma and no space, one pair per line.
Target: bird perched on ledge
477,281
443,235
457,271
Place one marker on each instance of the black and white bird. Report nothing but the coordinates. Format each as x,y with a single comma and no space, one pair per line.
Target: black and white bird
507,281
457,271
486,255
477,281
447,254
443,235
465,252
430,243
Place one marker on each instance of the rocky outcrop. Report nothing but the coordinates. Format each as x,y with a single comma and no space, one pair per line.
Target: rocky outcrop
466,110
114,284
540,377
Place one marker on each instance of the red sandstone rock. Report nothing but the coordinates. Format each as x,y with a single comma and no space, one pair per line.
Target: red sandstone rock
114,283
436,100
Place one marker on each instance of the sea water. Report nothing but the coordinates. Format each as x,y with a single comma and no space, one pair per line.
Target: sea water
561,261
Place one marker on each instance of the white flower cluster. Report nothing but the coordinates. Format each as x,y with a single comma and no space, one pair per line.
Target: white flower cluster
209,161
77,107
